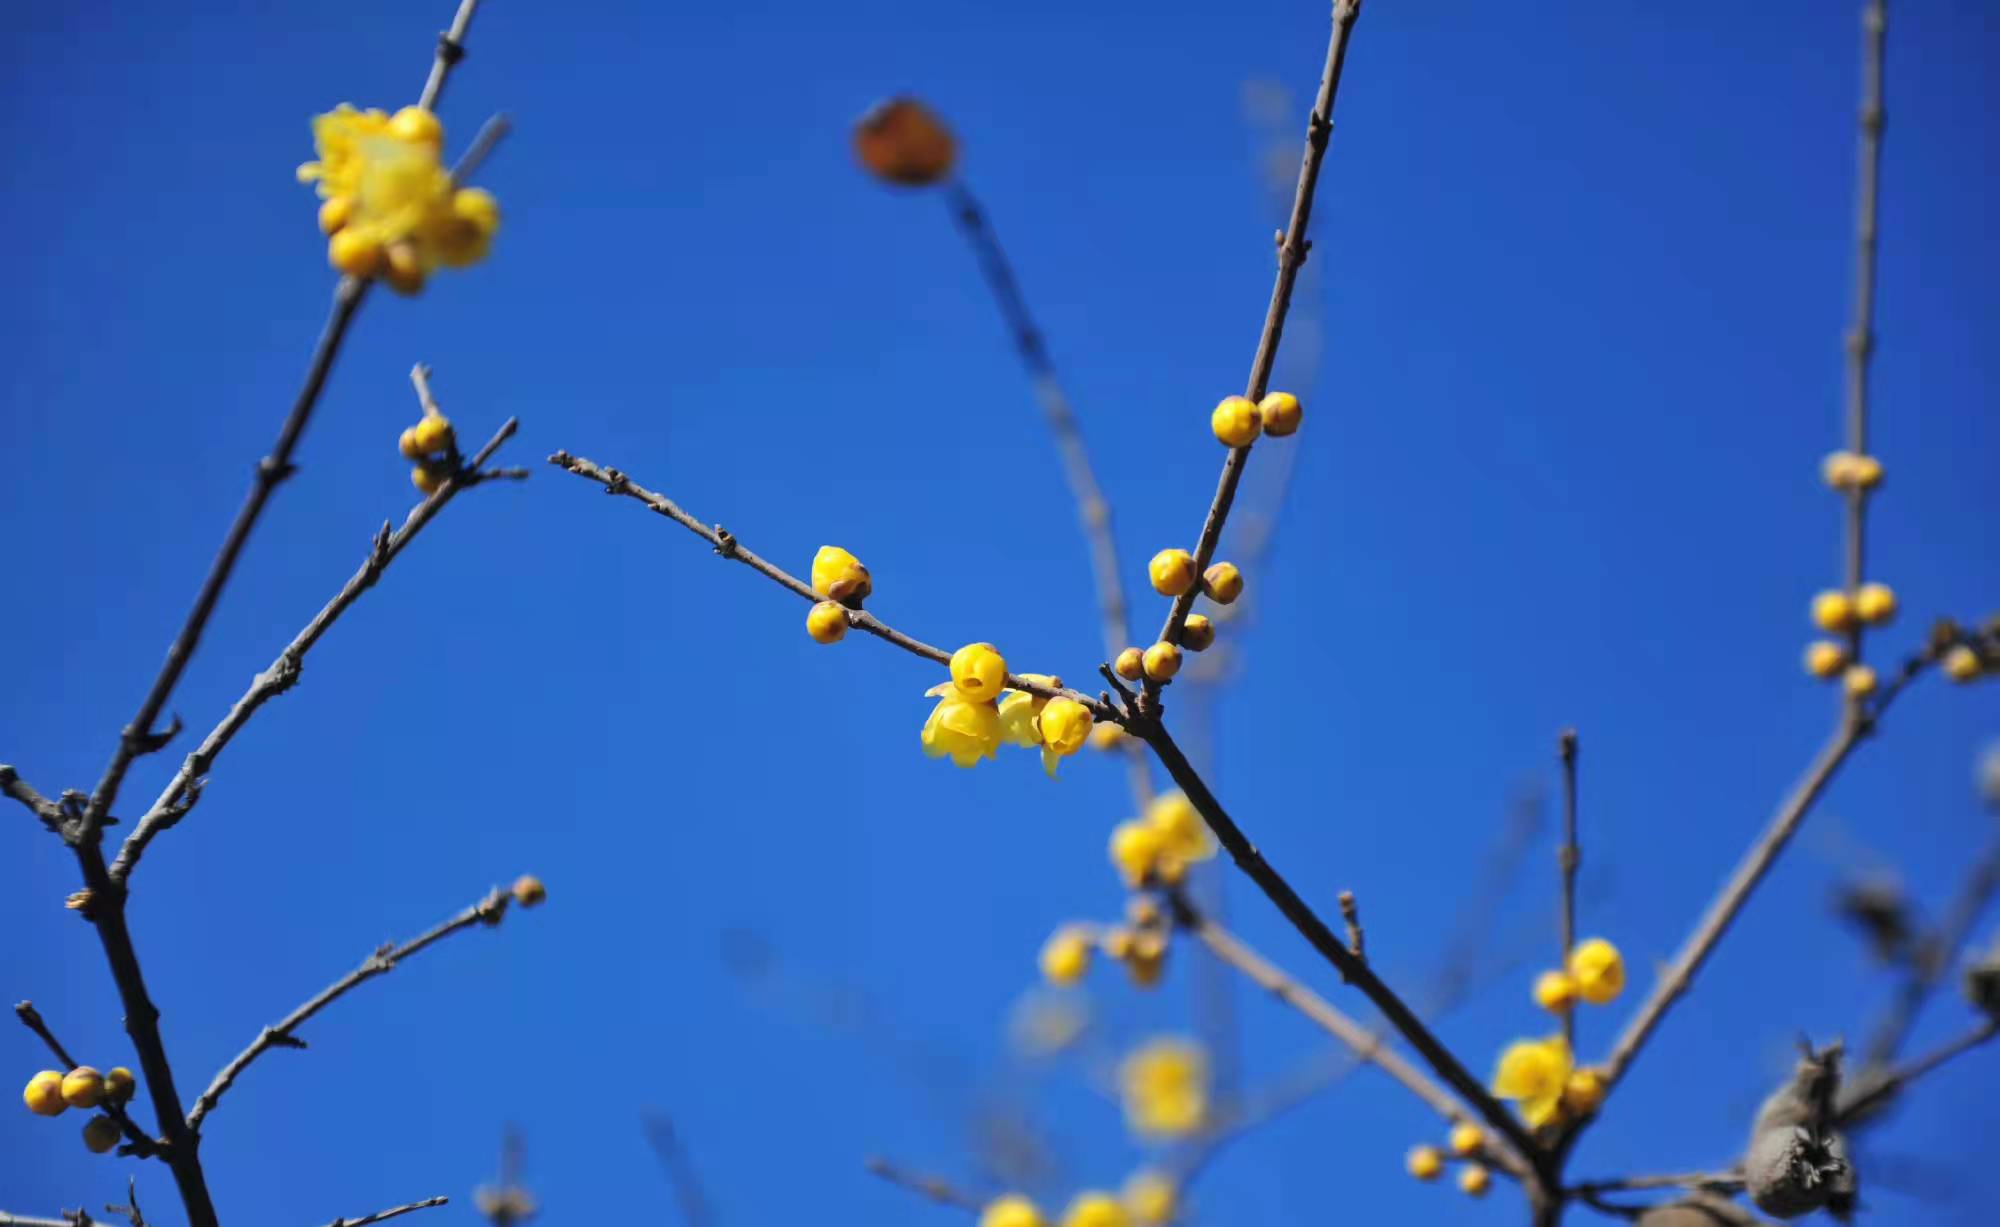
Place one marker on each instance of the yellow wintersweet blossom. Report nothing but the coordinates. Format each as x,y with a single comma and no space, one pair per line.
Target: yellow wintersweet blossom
1135,850
1066,955
1013,1210
1183,834
1424,1162
1151,1197
1064,726
1095,1209
1534,1073
979,671
1020,712
839,575
964,729
391,209
1164,1085
1599,971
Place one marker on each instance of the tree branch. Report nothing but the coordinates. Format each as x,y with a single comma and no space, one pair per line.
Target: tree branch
392,1212
50,813
1860,339
1875,1093
679,1170
138,1141
1933,957
488,910
1568,858
936,1188
180,792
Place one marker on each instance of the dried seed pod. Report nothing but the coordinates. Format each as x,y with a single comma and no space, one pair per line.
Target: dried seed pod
1796,1163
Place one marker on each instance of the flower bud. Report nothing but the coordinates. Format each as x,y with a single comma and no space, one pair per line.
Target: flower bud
1424,1162
1223,583
901,141
1171,572
1474,1180
1961,663
1197,633
432,434
118,1084
1859,681
100,1134
1236,421
1555,991
826,622
1825,658
1130,665
1875,603
529,891
1066,955
839,575
44,1095
83,1087
1466,1139
1162,661
1281,412
1832,611
978,671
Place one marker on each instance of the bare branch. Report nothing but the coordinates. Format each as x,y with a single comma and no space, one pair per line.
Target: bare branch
392,1212
1719,1182
40,806
616,482
450,50
175,800
487,910
1874,1093
1860,339
70,1218
936,1188
1933,958
1568,858
138,1142
679,1170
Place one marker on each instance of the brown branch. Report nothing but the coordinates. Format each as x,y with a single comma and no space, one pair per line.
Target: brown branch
392,1212
1721,1182
1291,254
1366,1045
180,792
679,1170
936,1188
450,50
138,1141
488,910
1860,339
484,142
1569,857
1933,958
70,1218
1875,1093
1356,972
616,482
12,785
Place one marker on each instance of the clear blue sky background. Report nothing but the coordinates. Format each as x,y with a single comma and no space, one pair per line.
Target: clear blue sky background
1581,273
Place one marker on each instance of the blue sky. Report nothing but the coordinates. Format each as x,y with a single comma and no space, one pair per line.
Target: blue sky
1579,277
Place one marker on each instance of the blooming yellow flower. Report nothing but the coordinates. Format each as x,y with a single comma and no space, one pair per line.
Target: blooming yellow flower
1223,583
1171,572
1860,681
1162,661
1875,603
1424,1162
1064,725
1555,991
1824,658
387,195
965,730
1020,712
1135,849
979,671
1183,834
1961,664
44,1095
1533,1073
1066,955
1474,1180
1833,611
839,576
1150,1197
1466,1139
826,622
1281,412
1584,1092
1164,1085
1094,1209
1013,1210
1599,971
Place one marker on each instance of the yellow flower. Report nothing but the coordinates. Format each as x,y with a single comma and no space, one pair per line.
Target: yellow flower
839,575
1146,957
1197,633
1875,603
1474,1180
1832,611
529,891
44,1095
1020,712
1584,1092
416,126
1223,583
1599,971
1164,1085
1533,1073
1130,665
1281,412
1171,572
100,1134
1860,681
1106,736
964,730
1466,1139
385,190
1162,661
1064,725
1555,991
1183,834
1066,955
1424,1162
1013,1210
826,622
979,671
1236,421
1094,1209
83,1087
1150,1198
1135,849
1961,664
1824,658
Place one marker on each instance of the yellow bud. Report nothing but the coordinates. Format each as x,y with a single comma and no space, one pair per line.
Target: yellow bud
1064,724
1130,665
902,141
1095,1209
1865,472
1135,847
1147,959
1013,1210
1066,955
433,434
406,443
417,126
1474,1180
428,480
1859,680
1555,991
100,1134
1171,572
1875,603
1236,421
1599,971
1466,1139
1424,1162
1106,736
1961,664
44,1095
334,213
403,268
1584,1092
1223,583
826,622
1833,611
355,252
1281,412
1824,658
1151,1198
1116,943
83,1087
979,671
1838,470
478,208
118,1084
1162,661
1197,633
840,575
529,891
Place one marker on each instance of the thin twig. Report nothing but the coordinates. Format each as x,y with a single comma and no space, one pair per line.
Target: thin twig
12,785
1860,339
1568,858
138,1141
1721,1182
1876,1092
1356,972
484,141
679,1170
130,1210
74,1218
1933,958
616,482
936,1188
1291,254
283,673
392,1212
488,910
450,50
1350,912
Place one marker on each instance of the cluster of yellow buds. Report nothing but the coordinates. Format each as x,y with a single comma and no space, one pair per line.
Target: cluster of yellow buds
839,578
1172,573
1842,613
389,207
1237,420
51,1093
1467,1143
1163,1085
1149,1199
1140,944
434,447
1595,974
1159,845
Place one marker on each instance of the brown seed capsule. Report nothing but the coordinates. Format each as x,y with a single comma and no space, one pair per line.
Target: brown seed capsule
902,141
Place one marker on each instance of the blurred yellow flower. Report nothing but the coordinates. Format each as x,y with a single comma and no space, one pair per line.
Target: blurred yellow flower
1066,955
1164,1085
1094,1209
1013,1210
1599,971
1150,1197
390,207
1183,834
1064,724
